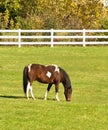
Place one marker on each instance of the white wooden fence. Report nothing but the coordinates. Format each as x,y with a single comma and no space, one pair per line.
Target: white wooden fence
53,37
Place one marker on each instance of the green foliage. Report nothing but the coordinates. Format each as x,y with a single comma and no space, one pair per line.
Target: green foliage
90,13
46,14
104,20
9,10
88,71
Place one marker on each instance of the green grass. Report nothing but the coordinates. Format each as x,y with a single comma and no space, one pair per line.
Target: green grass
88,71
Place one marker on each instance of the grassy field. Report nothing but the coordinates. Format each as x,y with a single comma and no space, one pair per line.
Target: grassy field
88,71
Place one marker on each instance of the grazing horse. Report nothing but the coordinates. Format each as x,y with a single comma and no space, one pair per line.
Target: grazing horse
51,74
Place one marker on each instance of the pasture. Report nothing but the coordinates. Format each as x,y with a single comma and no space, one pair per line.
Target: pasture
88,71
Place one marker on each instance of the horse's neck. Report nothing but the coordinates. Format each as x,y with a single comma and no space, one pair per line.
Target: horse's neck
65,79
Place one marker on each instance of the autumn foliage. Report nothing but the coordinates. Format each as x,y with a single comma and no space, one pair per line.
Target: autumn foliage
56,14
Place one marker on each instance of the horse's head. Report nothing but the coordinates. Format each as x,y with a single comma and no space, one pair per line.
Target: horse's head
68,93
67,84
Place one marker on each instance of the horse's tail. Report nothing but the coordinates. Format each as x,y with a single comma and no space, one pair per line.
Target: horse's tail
25,78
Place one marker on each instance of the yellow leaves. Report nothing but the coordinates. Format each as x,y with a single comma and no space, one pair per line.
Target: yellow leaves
58,14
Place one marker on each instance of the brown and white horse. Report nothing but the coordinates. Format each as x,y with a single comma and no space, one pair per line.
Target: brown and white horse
51,74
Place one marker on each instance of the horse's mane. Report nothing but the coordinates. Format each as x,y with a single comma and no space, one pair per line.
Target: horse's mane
65,78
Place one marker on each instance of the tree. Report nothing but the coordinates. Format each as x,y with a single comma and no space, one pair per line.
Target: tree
9,10
47,14
104,19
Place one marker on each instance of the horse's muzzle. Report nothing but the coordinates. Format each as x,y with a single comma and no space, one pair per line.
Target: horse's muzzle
68,99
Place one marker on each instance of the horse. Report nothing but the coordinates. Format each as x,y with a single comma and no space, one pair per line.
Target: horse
47,74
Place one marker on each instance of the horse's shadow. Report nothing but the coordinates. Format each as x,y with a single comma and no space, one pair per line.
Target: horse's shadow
48,99
11,97
23,97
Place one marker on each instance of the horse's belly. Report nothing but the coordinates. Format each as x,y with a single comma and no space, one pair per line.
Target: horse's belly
45,80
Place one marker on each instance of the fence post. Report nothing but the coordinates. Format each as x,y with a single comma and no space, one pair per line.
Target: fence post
52,33
84,37
19,37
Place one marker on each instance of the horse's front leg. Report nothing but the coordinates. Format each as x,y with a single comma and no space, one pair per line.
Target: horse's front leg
48,89
56,90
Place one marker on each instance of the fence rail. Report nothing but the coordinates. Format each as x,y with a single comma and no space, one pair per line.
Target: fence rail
53,37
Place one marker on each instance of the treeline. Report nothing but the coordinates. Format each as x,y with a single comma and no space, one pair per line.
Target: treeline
56,14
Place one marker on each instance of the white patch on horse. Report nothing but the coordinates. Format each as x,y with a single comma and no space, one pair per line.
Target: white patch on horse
29,88
29,68
56,68
45,98
48,74
57,98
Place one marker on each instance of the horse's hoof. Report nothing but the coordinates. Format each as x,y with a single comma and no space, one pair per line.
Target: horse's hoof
58,100
45,99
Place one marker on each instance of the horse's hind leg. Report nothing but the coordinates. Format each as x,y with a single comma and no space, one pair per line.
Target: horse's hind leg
48,89
27,91
31,91
29,88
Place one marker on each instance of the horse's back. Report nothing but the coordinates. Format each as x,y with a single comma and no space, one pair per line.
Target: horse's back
44,73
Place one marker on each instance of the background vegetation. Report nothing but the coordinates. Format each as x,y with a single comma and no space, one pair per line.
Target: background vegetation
88,71
56,14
